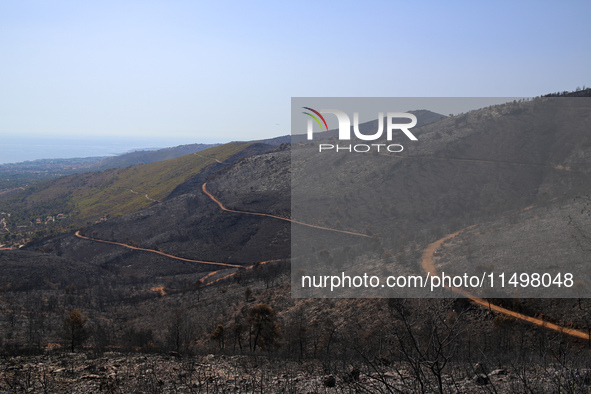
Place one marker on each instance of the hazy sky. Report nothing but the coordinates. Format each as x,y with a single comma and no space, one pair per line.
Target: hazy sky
196,71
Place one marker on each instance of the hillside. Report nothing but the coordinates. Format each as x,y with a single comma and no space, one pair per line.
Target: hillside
27,173
509,169
190,225
464,170
467,169
443,184
148,156
114,192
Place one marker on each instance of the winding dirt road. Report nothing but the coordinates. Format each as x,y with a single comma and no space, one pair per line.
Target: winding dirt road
428,265
223,208
157,252
231,274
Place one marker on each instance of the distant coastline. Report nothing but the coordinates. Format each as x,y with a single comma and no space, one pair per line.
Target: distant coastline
17,150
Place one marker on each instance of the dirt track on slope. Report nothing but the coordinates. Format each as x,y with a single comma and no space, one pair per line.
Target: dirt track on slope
223,208
157,252
428,265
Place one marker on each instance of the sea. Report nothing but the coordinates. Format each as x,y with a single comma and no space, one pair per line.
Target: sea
14,149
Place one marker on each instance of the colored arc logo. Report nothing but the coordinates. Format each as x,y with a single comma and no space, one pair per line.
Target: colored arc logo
315,118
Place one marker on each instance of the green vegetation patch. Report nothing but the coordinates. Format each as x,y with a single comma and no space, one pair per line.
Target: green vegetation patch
113,192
